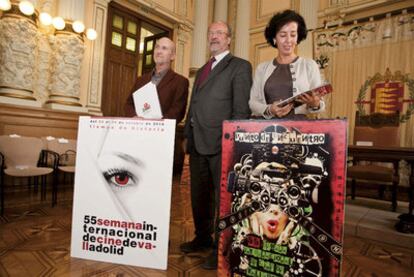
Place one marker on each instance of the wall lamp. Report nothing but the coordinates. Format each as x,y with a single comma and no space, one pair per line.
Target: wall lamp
5,5
27,9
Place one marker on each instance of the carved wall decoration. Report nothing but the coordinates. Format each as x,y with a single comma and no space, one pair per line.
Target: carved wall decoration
390,30
45,68
68,52
42,73
17,55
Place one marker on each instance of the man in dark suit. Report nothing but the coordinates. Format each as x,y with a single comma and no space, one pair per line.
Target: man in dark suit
221,91
172,88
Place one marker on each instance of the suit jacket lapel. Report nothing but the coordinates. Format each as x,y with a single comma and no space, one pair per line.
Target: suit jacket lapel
147,77
198,73
217,69
166,79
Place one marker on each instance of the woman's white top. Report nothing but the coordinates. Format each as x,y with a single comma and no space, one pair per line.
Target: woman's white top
305,76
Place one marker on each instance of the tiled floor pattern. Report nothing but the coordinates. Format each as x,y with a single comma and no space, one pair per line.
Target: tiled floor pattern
35,241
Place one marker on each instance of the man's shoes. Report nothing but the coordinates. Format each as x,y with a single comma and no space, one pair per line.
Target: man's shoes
196,245
211,261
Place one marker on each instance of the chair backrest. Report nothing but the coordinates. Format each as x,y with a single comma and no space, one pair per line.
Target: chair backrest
66,148
378,129
20,151
60,146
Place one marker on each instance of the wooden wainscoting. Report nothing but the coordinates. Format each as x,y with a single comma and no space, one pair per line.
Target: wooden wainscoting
38,122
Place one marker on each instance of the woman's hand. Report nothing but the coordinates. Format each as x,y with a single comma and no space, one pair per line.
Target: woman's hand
312,100
280,111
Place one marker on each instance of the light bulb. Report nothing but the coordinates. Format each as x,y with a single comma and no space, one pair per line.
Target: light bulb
91,34
26,7
5,5
45,18
58,23
78,26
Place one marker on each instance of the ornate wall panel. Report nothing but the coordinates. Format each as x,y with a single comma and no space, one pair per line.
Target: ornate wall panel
167,4
183,42
262,10
68,52
42,73
96,57
335,12
260,51
17,55
37,122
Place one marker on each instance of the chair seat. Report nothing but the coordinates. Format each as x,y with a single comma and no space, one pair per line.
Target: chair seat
27,171
371,172
68,169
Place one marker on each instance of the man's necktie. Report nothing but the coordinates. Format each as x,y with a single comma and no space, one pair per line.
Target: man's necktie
206,71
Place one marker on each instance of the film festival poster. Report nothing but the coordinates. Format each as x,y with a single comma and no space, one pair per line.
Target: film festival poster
122,197
282,198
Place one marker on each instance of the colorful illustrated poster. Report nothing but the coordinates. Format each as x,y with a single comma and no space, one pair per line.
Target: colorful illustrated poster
121,206
282,198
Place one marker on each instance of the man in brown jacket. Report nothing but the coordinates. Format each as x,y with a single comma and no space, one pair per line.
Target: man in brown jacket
172,88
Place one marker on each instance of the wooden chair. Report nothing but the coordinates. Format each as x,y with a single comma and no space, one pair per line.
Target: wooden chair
376,130
24,157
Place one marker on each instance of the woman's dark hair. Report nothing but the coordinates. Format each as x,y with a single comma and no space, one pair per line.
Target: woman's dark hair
279,20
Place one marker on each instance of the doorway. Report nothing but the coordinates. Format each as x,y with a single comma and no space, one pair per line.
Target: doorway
129,47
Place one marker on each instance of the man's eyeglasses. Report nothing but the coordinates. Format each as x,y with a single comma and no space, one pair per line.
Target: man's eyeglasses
218,33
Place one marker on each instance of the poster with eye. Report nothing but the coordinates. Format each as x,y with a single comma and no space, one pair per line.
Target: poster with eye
122,195
282,198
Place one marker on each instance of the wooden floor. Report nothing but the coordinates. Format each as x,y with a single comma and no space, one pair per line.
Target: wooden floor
35,241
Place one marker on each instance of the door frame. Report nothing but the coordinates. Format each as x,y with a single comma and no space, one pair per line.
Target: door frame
113,6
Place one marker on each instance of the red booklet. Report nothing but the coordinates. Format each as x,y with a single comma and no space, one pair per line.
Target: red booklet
322,90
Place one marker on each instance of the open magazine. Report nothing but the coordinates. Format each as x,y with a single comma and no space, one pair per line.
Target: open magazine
322,90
